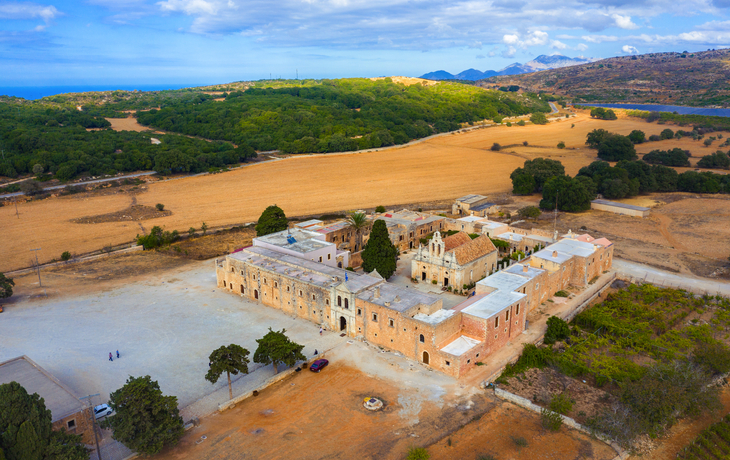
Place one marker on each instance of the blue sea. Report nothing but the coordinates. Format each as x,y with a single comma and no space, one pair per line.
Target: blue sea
666,108
37,92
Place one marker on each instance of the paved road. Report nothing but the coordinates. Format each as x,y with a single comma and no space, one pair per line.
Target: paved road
669,279
554,107
97,181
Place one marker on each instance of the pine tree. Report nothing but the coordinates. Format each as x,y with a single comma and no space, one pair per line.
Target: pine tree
276,348
379,253
231,360
145,420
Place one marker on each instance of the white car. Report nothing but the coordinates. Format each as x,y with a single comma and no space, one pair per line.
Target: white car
102,410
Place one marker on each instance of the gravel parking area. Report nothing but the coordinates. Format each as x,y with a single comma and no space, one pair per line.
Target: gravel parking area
164,326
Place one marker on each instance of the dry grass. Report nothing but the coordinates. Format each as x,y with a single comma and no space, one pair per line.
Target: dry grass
441,168
127,124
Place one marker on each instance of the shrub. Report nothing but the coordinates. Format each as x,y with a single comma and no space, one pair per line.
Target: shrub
157,238
637,137
615,147
521,123
191,232
561,404
667,134
31,187
519,441
524,143
65,256
418,453
538,118
561,145
509,124
495,147
160,206
718,160
532,212
550,420
557,329
380,209
714,356
654,138
562,293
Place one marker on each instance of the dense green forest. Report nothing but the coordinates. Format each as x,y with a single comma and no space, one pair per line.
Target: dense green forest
337,115
58,140
291,116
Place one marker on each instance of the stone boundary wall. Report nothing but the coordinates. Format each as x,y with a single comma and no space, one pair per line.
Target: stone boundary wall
592,292
24,271
270,381
529,405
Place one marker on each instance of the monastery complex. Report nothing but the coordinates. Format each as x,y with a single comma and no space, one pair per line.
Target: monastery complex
300,272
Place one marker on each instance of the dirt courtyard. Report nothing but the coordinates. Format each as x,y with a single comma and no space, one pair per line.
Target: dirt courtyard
315,416
441,168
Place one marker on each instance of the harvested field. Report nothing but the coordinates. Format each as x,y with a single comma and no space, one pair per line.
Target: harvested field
134,212
127,124
213,244
440,168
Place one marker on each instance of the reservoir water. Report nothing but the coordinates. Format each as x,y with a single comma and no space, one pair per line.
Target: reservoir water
666,108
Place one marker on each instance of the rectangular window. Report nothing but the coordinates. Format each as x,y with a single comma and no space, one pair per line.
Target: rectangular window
496,322
320,259
506,318
391,322
329,256
359,312
71,424
448,363
517,310
314,297
375,317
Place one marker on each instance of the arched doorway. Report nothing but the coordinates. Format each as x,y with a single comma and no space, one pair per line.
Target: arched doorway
425,357
256,294
343,323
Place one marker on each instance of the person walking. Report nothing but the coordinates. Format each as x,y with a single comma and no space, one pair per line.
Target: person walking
117,354
320,331
110,356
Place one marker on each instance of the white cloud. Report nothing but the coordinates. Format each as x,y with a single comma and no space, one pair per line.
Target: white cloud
628,49
28,10
193,7
581,47
599,38
509,52
624,22
535,38
511,39
558,45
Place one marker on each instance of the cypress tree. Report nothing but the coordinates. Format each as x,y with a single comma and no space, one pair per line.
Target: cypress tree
272,220
379,253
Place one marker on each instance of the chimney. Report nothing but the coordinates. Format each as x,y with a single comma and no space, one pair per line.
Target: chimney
397,298
555,253
387,304
524,268
377,293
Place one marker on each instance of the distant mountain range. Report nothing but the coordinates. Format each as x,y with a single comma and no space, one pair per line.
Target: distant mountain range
541,62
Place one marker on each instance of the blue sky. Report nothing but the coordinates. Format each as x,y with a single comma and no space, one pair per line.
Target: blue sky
178,42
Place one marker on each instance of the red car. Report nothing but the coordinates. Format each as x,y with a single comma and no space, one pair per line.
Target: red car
318,365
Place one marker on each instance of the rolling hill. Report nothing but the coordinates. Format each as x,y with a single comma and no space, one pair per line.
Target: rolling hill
690,79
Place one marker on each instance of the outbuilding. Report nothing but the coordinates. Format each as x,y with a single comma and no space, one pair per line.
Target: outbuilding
620,208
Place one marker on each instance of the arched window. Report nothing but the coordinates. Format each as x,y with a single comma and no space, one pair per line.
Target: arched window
224,284
339,301
347,304
421,339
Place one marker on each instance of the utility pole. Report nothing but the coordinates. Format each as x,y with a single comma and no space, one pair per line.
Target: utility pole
93,423
37,266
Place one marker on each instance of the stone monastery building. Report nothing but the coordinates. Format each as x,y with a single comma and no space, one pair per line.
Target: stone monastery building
455,260
407,320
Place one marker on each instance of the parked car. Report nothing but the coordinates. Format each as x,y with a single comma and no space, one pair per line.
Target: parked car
102,410
318,365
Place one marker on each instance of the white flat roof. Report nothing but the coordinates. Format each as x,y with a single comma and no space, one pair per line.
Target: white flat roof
547,254
574,247
518,269
492,224
493,303
505,281
460,346
436,317
470,219
295,239
506,236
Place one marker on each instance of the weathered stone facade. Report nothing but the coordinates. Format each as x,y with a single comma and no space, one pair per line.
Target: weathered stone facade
412,323
406,228
456,260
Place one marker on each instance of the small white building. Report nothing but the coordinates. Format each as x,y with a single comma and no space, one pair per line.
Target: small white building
304,244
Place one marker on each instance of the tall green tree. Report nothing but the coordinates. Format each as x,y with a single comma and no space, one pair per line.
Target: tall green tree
6,286
540,169
358,222
276,348
25,429
379,254
572,194
538,118
231,360
616,147
145,420
272,220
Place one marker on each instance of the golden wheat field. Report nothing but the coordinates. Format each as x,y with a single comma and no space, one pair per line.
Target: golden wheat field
441,168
